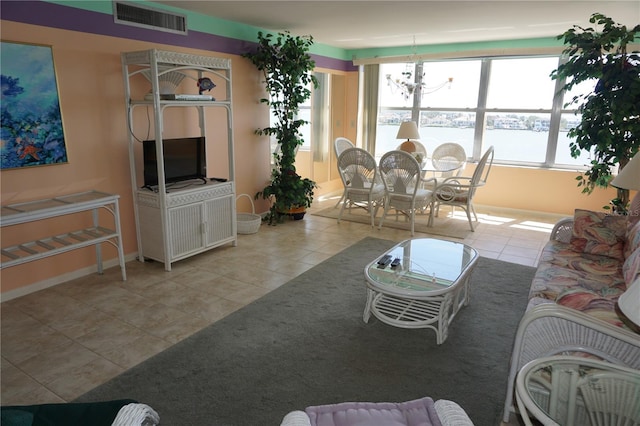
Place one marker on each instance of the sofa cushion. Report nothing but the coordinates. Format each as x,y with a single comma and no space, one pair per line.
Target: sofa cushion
419,412
585,282
599,233
561,254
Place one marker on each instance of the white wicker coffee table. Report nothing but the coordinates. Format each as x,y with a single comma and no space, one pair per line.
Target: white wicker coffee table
425,290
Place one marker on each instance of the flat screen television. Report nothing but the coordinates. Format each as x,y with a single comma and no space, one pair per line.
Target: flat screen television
184,159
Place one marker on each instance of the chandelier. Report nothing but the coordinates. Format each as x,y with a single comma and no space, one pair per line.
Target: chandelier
408,86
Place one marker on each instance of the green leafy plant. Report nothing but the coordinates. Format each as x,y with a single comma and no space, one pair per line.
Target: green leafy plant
287,68
610,125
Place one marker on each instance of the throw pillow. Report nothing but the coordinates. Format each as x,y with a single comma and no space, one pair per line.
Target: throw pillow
599,233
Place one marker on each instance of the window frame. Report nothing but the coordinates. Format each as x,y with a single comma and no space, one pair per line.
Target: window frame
481,111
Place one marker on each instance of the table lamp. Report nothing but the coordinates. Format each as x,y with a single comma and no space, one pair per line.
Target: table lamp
408,130
629,178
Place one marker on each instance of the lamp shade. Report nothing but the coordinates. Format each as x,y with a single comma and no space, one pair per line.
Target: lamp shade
408,130
629,176
629,302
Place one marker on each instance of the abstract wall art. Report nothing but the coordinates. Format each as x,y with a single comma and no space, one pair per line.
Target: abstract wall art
32,133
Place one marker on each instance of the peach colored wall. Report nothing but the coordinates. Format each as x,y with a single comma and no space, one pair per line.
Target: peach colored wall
551,191
90,84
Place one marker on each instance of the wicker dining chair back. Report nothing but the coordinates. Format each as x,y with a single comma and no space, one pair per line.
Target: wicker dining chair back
458,191
415,148
402,178
362,185
341,144
448,159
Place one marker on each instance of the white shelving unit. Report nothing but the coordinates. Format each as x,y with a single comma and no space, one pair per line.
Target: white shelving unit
176,223
39,210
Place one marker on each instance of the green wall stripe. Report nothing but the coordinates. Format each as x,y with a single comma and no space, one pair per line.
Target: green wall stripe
221,27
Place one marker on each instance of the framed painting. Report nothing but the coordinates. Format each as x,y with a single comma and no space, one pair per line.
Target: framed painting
32,133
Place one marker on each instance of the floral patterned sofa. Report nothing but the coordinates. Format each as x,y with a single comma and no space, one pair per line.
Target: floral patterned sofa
588,263
592,269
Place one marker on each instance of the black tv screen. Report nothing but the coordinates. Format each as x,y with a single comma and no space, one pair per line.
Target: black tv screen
184,159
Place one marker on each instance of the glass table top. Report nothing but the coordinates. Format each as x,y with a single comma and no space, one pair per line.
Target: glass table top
426,265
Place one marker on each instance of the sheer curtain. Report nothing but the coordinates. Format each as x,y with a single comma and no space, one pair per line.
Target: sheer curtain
320,118
370,77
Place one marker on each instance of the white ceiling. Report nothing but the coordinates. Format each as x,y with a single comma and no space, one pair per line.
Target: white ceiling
364,24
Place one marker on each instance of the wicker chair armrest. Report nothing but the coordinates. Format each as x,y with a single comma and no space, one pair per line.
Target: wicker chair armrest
551,329
562,230
296,418
457,181
454,185
430,181
451,414
136,414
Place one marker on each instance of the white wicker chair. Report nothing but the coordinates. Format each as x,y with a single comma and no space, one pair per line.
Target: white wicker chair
458,191
136,415
339,146
448,159
550,329
402,177
449,413
416,149
362,185
576,391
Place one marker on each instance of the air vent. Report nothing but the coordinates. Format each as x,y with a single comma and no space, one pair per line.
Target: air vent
146,17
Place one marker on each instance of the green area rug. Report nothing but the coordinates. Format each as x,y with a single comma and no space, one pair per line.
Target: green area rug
443,225
305,344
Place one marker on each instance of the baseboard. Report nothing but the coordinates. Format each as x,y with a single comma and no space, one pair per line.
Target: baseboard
484,208
51,282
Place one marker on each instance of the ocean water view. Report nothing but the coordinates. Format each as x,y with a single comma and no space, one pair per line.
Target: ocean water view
509,144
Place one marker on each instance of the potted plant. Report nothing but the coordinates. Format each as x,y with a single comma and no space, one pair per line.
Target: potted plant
287,68
610,125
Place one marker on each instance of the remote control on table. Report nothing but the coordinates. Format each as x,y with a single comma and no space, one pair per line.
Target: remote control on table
395,262
384,261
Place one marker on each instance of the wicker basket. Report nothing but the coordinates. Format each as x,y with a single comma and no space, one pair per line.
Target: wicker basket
248,223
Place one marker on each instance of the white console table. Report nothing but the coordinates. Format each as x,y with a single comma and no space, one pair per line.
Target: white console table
15,214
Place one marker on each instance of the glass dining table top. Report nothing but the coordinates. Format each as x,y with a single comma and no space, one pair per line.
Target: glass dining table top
426,266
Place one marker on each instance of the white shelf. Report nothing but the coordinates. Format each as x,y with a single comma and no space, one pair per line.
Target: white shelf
38,210
174,224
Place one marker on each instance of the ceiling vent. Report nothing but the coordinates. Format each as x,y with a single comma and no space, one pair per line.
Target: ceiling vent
146,17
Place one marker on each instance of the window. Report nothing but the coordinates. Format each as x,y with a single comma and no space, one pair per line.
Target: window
314,112
504,102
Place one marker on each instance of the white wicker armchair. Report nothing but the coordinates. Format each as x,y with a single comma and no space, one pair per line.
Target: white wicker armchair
550,329
576,391
136,415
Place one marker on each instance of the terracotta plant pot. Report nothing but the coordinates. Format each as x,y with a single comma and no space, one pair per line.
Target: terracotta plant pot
297,213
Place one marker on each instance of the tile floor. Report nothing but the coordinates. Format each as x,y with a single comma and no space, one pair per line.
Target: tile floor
59,343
